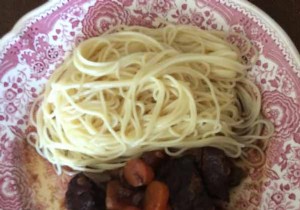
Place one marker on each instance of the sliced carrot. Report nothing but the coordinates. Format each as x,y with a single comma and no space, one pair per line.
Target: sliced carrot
157,196
137,173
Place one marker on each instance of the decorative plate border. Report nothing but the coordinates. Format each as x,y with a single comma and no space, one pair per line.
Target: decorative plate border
19,26
271,28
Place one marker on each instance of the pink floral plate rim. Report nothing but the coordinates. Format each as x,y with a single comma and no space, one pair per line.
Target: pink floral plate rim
277,72
244,3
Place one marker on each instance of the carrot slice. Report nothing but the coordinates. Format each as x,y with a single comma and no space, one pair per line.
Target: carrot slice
157,196
137,173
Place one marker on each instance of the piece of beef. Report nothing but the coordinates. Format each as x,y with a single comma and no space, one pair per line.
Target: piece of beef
185,184
117,196
120,195
227,171
154,158
196,153
83,194
216,170
138,197
236,176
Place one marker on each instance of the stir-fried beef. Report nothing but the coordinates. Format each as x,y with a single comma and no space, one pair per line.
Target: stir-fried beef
187,191
83,194
199,180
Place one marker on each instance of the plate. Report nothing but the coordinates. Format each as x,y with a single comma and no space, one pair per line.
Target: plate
42,39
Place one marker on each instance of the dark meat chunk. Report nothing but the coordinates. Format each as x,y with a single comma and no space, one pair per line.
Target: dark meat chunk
196,153
236,176
119,196
83,194
236,173
185,184
215,170
154,158
137,198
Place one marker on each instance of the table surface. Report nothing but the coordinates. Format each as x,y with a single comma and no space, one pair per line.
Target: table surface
285,12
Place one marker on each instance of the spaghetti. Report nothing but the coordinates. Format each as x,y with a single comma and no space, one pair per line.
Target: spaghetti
137,89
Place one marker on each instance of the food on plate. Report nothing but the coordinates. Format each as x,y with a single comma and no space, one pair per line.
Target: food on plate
136,89
153,118
197,180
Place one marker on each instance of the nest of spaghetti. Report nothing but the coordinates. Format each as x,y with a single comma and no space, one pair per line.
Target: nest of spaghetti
135,89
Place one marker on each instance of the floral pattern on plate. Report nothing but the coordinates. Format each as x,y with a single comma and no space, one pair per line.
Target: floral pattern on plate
30,56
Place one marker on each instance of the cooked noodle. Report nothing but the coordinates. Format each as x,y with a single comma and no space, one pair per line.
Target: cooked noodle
137,89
